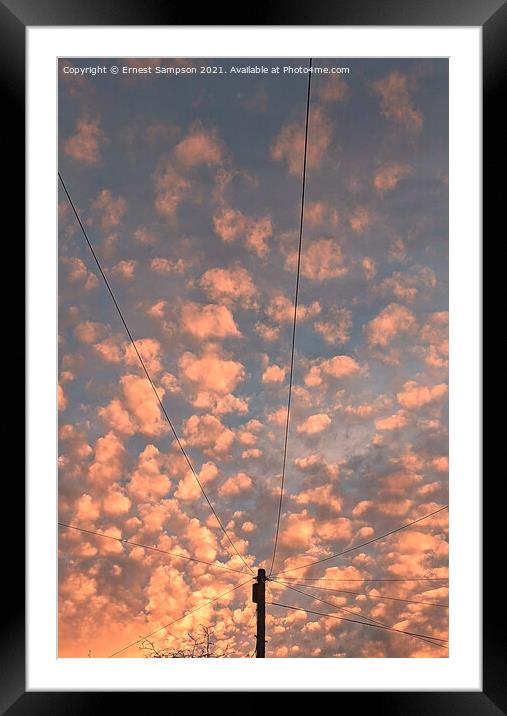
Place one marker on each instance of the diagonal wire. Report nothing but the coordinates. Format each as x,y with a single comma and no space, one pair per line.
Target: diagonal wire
363,544
296,294
350,611
356,621
148,376
154,549
342,579
363,594
174,621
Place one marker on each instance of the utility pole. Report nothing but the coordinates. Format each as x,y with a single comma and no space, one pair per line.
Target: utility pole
259,598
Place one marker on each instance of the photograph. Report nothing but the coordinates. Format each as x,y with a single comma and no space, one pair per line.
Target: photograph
253,311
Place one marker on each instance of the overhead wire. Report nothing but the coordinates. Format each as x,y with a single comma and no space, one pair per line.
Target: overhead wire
363,544
365,594
356,621
174,621
153,549
148,376
350,611
294,321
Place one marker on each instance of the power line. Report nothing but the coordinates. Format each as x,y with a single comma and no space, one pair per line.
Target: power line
166,626
296,294
365,594
348,611
154,549
342,579
191,467
355,621
363,544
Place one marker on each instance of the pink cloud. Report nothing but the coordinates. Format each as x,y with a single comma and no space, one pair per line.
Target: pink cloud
125,270
393,422
388,176
229,285
336,329
86,143
289,144
414,395
318,213
369,268
229,224
210,321
314,424
393,320
273,374
171,189
90,331
258,233
281,310
150,480
360,219
236,484
199,147
211,371
321,260
78,273
322,495
396,102
62,398
109,209
208,433
338,367
109,456
333,89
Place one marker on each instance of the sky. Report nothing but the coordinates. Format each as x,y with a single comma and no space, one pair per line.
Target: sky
189,188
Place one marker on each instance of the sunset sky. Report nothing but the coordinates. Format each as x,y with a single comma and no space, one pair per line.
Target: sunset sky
189,188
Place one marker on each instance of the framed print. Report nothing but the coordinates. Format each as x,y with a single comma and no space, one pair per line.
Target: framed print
254,395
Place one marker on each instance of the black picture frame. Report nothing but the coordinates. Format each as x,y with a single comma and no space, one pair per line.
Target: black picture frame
15,17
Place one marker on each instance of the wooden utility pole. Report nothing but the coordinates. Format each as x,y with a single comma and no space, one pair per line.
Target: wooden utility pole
259,598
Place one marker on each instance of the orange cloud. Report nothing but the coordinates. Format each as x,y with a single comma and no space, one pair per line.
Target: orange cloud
318,213
281,310
211,371
209,433
149,481
235,485
338,326
360,219
369,268
333,89
199,147
321,260
338,367
210,321
229,285
415,396
396,103
393,422
289,144
258,233
273,374
322,495
125,270
90,331
86,143
229,224
170,189
388,176
109,209
314,424
109,455
390,322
